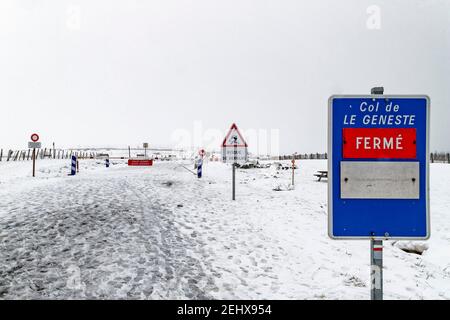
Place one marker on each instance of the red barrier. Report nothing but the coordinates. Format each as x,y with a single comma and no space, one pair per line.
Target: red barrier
135,162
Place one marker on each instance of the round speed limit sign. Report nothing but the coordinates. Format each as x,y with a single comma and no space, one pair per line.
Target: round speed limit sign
34,137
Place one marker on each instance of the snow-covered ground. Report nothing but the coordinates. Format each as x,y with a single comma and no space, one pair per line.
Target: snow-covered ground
161,233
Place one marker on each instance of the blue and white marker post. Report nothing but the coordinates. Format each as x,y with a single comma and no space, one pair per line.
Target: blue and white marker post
199,168
107,162
201,154
73,167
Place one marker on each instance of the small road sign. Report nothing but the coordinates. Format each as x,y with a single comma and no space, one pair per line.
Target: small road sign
378,167
34,137
234,150
145,145
234,147
34,144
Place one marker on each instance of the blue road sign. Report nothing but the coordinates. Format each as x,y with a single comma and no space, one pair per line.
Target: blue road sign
378,167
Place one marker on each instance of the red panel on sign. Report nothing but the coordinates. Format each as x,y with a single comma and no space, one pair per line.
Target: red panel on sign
132,162
386,143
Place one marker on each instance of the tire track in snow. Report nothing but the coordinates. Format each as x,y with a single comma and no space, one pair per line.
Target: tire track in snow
91,241
178,269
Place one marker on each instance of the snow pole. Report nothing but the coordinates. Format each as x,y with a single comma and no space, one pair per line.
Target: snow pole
199,168
107,162
73,167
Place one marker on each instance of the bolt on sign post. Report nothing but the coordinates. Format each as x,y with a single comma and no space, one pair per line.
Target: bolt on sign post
234,151
378,169
34,144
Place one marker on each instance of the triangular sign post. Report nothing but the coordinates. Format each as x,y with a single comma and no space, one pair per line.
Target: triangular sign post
234,150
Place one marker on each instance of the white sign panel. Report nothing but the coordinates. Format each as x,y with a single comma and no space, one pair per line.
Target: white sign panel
234,155
34,145
380,180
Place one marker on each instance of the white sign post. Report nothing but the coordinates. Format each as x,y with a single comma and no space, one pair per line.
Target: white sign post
234,150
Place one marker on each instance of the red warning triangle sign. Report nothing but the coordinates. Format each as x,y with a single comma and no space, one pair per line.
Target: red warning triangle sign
234,138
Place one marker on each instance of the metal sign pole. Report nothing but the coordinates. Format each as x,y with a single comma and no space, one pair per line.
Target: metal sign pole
34,161
234,181
376,269
293,168
234,172
376,250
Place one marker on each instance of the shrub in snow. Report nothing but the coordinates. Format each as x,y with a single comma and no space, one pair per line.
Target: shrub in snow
281,187
277,188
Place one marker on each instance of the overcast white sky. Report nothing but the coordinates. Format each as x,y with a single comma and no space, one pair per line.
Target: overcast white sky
114,73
